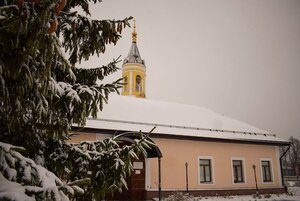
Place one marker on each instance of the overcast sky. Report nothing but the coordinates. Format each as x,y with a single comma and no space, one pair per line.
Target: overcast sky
237,58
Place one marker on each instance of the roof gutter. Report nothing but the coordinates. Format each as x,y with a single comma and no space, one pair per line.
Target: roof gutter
281,168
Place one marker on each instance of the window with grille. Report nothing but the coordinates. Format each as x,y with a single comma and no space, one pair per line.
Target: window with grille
266,171
238,174
205,171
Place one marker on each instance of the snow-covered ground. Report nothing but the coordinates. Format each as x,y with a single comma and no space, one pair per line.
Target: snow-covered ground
293,195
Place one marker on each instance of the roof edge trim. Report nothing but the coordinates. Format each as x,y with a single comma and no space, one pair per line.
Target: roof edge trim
183,127
182,137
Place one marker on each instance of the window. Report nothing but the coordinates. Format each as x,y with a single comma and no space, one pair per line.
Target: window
138,83
266,170
238,174
205,171
126,84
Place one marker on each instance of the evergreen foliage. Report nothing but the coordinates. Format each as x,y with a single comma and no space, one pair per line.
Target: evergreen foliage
43,93
37,183
106,163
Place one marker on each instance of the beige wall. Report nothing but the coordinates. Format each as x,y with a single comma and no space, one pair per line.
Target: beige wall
177,152
83,136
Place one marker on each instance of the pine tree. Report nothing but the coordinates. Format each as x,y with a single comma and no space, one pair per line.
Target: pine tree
42,92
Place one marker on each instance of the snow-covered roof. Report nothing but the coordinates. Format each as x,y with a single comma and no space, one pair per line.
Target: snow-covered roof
124,113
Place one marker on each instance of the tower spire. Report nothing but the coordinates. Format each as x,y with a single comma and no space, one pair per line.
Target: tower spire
134,34
134,71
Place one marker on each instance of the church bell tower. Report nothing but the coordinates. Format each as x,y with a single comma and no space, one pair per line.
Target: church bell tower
134,71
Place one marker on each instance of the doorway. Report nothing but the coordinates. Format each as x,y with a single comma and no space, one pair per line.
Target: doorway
135,183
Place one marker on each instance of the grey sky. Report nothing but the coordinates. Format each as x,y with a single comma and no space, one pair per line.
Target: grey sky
238,58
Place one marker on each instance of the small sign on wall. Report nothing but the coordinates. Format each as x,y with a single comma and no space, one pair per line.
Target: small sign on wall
137,171
138,165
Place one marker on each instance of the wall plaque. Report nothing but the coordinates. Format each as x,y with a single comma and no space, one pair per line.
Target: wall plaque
138,165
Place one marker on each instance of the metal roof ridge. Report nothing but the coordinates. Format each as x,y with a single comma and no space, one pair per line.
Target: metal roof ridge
184,127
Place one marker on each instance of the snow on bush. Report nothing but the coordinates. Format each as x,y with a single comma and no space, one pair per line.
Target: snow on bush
22,179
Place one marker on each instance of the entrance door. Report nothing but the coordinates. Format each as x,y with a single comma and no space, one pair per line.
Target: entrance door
135,183
137,180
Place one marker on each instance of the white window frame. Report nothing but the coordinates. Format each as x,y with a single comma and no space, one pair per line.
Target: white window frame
244,170
212,170
147,173
271,171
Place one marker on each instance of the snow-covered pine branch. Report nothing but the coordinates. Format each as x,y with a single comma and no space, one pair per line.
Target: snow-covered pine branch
77,30
106,163
89,76
22,179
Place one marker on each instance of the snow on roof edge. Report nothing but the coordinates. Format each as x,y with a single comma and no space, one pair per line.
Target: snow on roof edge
183,127
106,124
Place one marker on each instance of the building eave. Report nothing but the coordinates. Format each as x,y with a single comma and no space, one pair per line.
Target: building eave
154,135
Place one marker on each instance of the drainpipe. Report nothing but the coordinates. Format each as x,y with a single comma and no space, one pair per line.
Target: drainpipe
281,169
159,178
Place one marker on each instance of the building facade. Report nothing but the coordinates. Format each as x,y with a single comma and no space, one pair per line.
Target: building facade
215,167
199,151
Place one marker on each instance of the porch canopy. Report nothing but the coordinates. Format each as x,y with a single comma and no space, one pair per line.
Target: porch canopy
152,152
